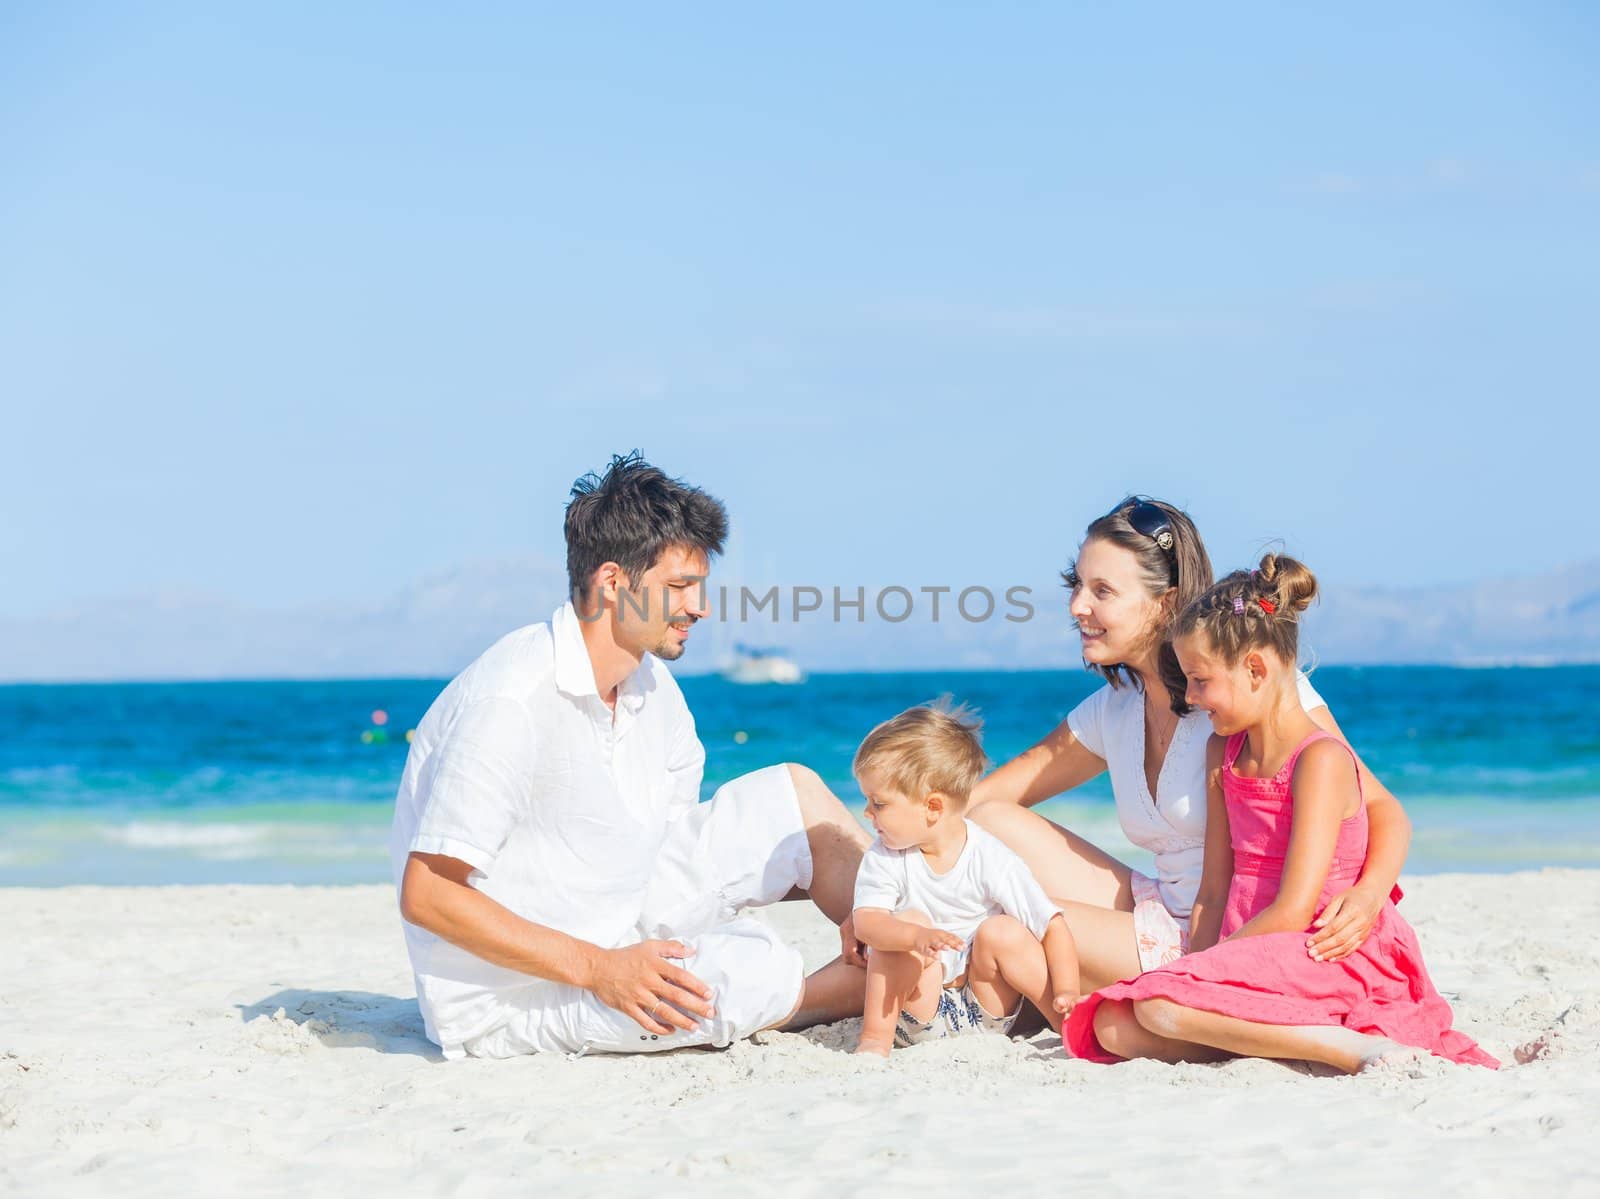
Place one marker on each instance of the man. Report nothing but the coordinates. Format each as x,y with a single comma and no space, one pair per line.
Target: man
563,887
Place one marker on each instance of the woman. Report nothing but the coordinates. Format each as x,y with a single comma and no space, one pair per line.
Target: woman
1137,568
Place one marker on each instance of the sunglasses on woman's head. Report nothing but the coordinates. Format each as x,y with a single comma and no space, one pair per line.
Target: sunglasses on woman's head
1152,522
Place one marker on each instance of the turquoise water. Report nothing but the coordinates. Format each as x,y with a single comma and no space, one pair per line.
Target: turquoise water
273,782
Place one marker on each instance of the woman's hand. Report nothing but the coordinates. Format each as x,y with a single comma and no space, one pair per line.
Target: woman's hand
1345,923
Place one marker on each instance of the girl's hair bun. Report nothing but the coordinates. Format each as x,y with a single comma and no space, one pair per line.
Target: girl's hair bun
1253,609
1288,582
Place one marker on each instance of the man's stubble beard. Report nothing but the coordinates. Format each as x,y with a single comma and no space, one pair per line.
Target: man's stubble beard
670,649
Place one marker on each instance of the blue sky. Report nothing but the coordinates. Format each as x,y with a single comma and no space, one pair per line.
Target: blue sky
300,304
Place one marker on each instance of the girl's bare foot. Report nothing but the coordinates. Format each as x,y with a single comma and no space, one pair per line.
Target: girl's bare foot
1384,1054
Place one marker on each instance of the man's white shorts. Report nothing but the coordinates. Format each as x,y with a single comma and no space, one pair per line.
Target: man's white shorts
745,847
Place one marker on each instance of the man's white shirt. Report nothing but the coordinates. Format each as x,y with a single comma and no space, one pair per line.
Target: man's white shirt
521,771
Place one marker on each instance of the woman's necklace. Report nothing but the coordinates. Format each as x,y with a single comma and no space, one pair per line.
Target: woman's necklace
1159,727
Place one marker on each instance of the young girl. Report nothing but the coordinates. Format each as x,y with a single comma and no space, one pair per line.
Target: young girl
1286,830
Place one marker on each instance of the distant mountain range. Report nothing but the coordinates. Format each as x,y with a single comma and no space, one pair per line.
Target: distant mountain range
435,627
1533,620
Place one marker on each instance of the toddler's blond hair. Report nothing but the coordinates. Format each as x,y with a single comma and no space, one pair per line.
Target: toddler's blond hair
932,747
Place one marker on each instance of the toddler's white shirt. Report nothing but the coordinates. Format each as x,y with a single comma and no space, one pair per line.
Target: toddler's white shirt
988,879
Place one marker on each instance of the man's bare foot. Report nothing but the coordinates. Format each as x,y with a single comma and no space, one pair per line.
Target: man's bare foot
871,1045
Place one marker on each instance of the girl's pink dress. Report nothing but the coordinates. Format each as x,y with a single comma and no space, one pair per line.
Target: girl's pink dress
1382,988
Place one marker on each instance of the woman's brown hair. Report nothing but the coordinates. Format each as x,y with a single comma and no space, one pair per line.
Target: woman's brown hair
1253,609
1181,567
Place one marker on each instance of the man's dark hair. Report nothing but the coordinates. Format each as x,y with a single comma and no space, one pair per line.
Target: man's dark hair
630,515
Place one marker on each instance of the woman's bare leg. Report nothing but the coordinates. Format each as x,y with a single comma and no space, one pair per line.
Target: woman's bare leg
1108,949
1338,1047
1067,866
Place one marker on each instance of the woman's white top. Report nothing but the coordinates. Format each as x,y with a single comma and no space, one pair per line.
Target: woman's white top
1172,823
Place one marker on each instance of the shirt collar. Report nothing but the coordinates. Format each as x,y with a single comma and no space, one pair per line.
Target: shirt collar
574,671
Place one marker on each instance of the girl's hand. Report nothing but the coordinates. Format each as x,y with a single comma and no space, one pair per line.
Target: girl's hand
1344,924
1064,1002
929,941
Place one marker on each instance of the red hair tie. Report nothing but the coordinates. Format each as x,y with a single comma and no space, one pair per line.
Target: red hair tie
1268,606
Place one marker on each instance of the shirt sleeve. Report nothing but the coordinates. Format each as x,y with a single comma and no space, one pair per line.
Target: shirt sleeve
1012,886
1309,699
479,779
880,882
686,766
1087,722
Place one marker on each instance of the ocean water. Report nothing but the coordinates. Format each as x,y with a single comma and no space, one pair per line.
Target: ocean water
276,782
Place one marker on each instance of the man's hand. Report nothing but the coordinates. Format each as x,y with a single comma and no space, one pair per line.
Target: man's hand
640,982
929,941
853,951
1344,924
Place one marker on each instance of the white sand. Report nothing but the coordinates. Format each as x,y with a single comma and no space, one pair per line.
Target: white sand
264,1040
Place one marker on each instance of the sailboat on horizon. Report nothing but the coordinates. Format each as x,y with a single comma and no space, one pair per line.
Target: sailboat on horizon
761,664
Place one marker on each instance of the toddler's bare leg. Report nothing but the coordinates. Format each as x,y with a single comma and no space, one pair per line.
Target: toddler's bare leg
1007,964
897,982
891,977
1342,1048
